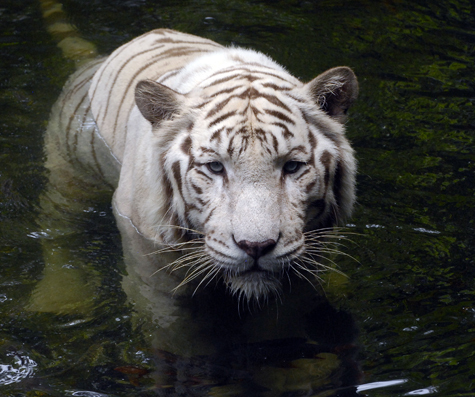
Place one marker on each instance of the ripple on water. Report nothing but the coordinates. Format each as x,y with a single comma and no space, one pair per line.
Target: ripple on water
19,368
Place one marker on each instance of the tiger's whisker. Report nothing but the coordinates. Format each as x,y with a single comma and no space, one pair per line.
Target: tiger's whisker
184,261
314,273
332,251
301,275
192,276
187,262
318,254
211,275
179,247
319,267
187,229
192,273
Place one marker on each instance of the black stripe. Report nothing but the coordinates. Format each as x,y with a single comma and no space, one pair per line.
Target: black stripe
227,90
326,159
209,216
196,188
270,98
186,145
203,174
279,115
286,132
223,80
219,106
217,135
276,87
222,118
177,175
303,174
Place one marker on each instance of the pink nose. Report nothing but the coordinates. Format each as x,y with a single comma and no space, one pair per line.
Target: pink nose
256,249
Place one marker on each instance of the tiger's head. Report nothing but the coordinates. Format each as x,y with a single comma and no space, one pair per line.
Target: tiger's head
255,163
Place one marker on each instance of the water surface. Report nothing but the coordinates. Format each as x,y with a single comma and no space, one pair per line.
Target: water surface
410,286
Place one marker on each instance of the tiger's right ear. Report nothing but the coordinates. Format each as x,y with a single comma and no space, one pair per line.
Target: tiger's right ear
155,101
334,91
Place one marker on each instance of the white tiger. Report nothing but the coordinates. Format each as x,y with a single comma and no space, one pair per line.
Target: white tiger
212,144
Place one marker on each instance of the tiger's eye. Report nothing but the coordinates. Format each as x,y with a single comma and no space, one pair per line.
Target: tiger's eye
291,167
216,167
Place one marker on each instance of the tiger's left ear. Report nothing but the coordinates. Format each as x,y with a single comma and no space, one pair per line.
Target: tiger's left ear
334,91
155,101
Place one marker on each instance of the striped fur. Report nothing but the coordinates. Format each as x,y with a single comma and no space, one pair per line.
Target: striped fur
214,143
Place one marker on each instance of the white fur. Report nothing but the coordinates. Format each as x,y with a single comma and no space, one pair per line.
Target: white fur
254,201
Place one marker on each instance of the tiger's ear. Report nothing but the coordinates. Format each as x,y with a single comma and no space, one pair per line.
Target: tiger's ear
334,91
155,101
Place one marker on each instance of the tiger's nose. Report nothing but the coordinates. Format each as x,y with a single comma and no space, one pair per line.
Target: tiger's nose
256,249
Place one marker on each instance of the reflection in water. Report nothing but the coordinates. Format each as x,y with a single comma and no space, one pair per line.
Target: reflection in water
379,385
86,394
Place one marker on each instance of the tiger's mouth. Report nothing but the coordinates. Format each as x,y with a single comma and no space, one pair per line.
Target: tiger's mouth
256,278
254,283
255,268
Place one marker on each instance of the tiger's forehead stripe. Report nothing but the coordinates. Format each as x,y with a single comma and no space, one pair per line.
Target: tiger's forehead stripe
235,77
228,90
220,105
246,97
254,100
287,134
258,72
270,98
222,118
276,87
279,115
271,111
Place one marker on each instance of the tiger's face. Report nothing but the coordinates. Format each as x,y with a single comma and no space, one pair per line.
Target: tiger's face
258,173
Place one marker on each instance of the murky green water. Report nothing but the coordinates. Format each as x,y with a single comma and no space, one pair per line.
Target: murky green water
411,289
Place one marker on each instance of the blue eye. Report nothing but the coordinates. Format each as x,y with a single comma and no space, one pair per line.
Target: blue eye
215,167
291,167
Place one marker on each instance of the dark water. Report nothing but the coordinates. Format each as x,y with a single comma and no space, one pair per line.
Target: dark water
411,287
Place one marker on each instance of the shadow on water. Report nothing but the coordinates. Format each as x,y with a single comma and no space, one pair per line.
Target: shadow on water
403,321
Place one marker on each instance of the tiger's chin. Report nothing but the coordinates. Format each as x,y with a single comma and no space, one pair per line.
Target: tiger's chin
254,285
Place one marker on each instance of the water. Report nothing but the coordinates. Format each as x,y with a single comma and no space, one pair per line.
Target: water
410,289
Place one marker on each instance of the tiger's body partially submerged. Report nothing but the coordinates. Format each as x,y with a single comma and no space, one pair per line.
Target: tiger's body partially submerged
199,140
